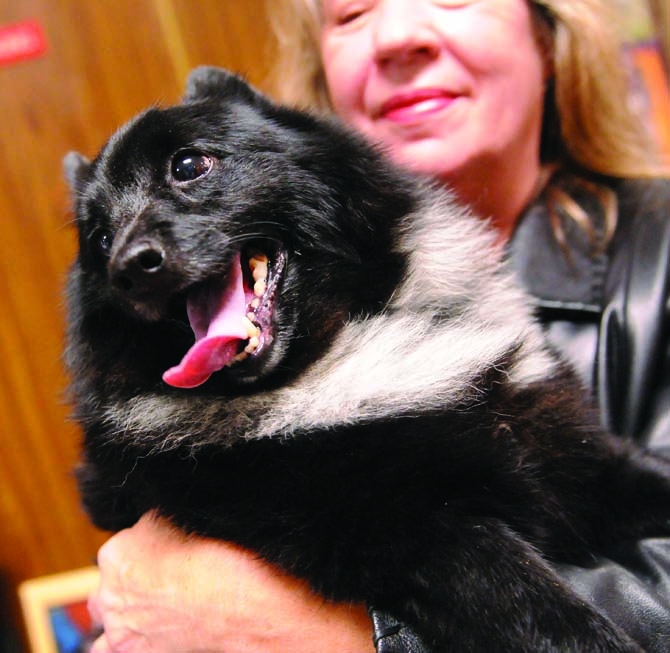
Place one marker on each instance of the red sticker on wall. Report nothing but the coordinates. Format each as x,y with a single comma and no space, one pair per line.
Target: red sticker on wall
24,40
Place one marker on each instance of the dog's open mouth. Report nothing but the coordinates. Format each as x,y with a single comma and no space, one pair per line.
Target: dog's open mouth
231,318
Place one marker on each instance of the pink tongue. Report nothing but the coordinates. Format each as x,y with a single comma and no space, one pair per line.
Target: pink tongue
215,312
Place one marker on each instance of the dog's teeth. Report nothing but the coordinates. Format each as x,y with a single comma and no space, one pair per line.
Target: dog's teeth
260,273
254,341
236,359
255,303
259,267
258,264
259,287
251,328
258,258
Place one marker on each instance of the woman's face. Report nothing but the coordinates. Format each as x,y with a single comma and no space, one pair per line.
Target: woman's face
452,87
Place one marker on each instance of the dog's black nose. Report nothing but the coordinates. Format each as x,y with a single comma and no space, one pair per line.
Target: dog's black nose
138,268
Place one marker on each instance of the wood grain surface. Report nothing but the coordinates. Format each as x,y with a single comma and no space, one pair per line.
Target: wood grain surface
105,60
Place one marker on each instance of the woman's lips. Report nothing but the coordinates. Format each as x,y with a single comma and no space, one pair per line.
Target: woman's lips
414,106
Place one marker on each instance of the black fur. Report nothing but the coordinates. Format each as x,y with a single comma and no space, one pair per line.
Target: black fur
446,508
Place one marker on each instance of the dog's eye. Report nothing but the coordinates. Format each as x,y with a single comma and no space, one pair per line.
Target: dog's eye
190,165
103,239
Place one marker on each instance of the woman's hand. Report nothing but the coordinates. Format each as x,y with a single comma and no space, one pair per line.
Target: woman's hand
163,592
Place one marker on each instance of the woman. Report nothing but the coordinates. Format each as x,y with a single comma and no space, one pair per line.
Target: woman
516,105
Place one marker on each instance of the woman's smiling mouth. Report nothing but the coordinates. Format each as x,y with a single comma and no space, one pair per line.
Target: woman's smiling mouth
415,105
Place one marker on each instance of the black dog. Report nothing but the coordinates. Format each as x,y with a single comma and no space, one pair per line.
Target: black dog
368,403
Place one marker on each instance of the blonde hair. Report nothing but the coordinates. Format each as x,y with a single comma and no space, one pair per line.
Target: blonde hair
589,125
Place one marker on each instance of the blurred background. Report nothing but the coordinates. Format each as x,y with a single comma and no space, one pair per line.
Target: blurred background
71,72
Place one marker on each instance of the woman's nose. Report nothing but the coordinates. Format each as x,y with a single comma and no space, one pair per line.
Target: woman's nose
403,33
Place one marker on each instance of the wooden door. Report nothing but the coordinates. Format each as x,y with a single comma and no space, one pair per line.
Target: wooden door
104,61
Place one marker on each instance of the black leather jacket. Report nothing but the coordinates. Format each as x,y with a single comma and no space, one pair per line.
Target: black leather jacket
606,309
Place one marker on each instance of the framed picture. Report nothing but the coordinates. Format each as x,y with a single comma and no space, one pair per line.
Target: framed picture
55,611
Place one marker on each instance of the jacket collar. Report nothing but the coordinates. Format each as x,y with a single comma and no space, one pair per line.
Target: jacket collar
569,276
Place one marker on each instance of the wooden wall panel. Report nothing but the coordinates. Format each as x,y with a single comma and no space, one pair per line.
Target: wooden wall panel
105,61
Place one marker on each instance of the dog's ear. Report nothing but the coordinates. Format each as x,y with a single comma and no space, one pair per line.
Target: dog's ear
75,166
211,83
